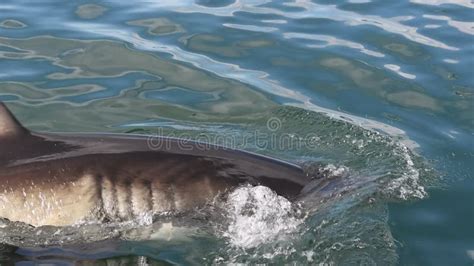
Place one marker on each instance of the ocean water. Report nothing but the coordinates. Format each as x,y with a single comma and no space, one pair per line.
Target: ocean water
380,93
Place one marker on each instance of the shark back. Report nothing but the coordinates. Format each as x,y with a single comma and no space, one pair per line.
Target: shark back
61,179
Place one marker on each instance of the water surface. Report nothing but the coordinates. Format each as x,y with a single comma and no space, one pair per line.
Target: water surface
381,91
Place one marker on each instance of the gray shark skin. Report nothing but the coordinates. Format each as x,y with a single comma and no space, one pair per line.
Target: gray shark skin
65,179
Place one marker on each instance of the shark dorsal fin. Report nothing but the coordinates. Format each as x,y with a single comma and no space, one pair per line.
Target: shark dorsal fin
9,126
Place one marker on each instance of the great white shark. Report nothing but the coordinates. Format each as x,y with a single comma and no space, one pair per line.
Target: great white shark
64,179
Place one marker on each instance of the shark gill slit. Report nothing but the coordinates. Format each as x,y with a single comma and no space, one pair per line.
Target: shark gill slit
171,196
180,196
140,197
127,184
149,195
99,181
109,195
169,189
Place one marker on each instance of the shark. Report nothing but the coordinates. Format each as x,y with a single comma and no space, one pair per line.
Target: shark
63,179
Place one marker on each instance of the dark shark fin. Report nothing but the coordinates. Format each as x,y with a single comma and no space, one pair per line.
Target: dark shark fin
9,126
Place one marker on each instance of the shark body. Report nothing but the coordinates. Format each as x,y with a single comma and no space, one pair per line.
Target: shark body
65,179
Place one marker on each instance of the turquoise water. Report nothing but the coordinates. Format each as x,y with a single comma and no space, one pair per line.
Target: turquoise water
382,89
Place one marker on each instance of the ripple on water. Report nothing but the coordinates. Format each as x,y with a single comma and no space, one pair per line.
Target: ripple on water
464,3
98,60
12,24
158,26
462,26
90,11
308,9
330,41
148,65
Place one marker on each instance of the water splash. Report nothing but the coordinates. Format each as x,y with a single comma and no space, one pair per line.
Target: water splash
257,215
408,185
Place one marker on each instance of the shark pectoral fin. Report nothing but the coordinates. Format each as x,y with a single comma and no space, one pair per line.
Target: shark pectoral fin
9,126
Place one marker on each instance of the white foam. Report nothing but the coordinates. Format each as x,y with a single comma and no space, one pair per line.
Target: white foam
257,215
408,185
336,170
470,253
